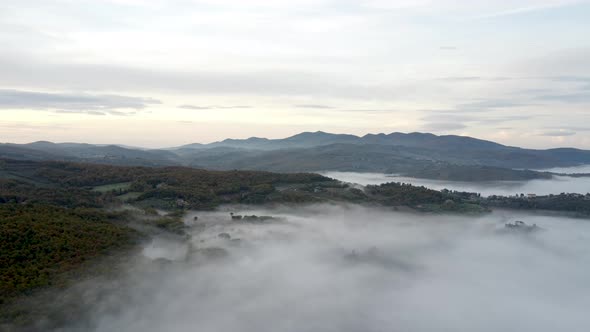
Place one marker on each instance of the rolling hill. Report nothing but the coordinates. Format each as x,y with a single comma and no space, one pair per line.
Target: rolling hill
424,155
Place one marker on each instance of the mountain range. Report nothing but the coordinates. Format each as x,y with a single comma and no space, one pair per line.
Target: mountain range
414,154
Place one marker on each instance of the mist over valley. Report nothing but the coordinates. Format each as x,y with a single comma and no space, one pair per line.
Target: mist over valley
554,185
348,268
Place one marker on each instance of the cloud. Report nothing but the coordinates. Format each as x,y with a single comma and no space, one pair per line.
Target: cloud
451,120
460,78
38,74
558,133
85,112
449,116
572,98
477,78
564,131
72,102
506,118
22,125
580,79
231,107
490,104
443,126
528,9
452,116
375,111
568,65
194,107
572,128
298,55
577,91
313,106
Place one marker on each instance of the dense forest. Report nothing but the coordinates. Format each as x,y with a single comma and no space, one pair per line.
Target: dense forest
576,204
424,199
39,242
90,185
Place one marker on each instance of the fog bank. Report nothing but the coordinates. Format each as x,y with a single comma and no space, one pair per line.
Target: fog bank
344,268
555,185
568,170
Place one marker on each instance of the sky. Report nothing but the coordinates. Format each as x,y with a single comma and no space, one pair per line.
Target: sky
160,73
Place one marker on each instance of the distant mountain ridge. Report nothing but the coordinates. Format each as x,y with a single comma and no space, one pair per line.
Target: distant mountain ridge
447,157
110,154
319,138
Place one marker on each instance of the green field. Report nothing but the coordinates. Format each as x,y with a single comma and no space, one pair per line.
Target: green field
113,186
129,196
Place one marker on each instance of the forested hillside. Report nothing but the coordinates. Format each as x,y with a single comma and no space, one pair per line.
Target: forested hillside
40,242
418,155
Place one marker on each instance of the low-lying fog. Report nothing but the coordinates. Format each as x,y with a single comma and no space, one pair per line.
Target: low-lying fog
568,170
351,268
556,185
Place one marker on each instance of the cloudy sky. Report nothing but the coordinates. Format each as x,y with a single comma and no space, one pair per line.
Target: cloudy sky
158,73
